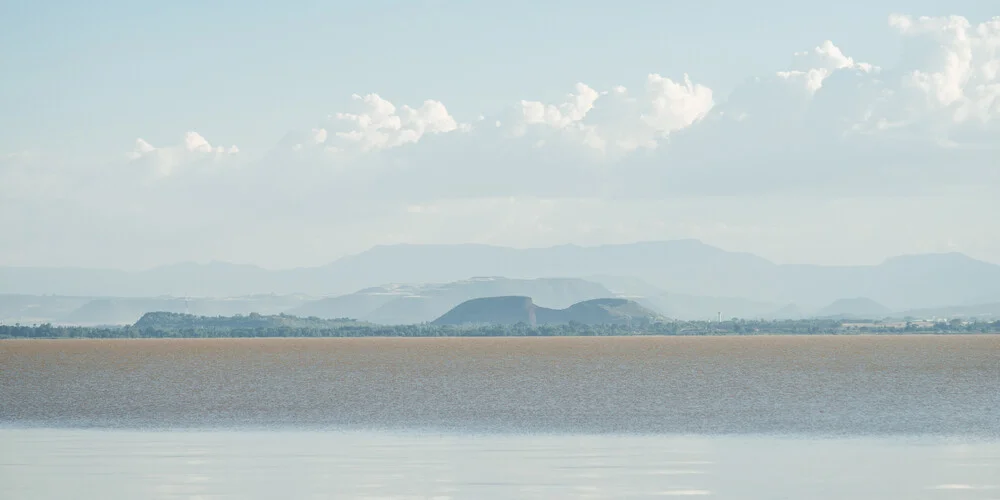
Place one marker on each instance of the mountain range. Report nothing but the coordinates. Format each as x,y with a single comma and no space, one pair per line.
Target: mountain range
408,304
673,276
854,308
411,304
93,311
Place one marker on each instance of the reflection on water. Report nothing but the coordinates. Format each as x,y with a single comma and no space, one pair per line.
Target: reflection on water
866,418
84,464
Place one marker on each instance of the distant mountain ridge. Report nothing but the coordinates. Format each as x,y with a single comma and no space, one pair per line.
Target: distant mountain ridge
686,267
856,308
403,305
988,311
512,310
94,311
418,303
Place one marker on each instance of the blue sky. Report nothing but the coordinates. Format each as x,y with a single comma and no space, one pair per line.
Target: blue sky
802,131
96,75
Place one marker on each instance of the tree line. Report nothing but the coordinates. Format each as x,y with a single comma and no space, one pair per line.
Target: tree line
240,329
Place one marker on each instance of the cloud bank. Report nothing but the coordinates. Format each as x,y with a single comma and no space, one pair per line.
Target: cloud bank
826,125
166,161
827,122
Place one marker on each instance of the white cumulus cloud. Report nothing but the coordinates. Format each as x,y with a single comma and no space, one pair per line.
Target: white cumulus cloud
380,125
614,121
560,116
812,67
165,161
952,66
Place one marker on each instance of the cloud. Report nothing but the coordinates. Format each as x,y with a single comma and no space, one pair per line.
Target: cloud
613,121
952,68
825,122
831,123
812,67
572,111
676,105
312,138
944,89
166,161
824,126
379,125
826,117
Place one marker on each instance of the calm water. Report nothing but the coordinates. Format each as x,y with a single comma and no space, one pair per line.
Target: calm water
757,417
393,465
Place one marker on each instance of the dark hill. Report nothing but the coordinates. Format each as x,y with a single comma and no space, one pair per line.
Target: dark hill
496,310
513,310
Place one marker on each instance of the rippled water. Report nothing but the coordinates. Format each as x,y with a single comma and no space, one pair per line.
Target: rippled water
763,417
83,464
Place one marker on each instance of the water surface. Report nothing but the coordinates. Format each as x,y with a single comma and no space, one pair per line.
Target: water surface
852,385
82,464
900,417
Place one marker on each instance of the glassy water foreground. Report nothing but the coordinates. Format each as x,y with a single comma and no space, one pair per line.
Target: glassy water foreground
758,417
87,464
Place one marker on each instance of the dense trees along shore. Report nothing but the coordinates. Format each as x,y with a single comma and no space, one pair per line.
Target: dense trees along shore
169,325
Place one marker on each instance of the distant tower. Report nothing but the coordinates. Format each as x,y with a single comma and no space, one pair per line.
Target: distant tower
720,316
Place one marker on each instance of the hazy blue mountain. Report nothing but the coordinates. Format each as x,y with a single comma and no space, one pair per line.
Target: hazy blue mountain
404,304
216,279
790,311
856,308
36,309
912,281
65,281
119,311
683,306
627,286
693,307
700,266
126,310
988,312
354,305
685,267
513,310
689,267
408,310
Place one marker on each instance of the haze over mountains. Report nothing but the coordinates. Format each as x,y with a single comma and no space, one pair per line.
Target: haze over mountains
403,304
856,308
684,279
513,310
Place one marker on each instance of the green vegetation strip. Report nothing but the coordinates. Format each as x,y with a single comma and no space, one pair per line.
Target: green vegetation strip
171,325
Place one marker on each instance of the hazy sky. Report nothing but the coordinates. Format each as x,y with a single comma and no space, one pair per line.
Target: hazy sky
134,134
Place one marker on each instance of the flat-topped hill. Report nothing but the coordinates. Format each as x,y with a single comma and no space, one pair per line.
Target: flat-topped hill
517,309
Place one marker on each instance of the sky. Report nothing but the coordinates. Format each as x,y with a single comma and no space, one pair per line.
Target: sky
285,134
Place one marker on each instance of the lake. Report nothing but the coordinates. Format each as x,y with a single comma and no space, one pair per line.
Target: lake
638,417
